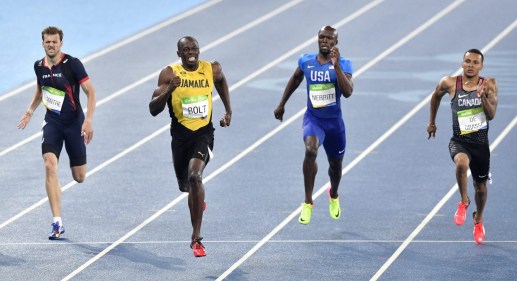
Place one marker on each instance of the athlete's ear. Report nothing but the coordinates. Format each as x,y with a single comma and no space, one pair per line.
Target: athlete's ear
178,52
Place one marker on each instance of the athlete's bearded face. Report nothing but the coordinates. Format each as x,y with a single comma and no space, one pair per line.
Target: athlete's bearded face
472,64
52,45
188,51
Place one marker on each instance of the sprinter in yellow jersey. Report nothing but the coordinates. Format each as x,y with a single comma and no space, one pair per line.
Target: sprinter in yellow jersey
186,88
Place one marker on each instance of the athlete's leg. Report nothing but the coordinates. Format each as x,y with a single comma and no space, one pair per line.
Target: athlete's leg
52,183
310,167
196,196
79,173
481,196
335,167
461,161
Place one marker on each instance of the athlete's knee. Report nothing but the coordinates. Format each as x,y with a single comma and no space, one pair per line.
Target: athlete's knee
480,187
462,164
79,173
311,152
79,177
51,163
195,179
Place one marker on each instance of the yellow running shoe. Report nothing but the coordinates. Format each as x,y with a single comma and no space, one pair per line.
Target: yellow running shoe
334,208
305,215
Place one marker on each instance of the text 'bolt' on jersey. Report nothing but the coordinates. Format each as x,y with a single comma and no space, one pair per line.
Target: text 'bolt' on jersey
469,122
323,94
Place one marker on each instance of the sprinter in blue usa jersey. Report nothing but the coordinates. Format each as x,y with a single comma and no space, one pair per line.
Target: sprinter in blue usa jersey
329,76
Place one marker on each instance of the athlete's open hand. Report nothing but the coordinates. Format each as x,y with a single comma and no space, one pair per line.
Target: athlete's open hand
87,131
482,89
24,121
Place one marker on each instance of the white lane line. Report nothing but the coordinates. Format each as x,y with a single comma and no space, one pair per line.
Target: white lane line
363,154
124,42
180,242
218,171
155,74
453,189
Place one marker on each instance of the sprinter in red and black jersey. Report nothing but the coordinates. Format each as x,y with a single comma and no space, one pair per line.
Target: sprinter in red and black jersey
60,77
473,105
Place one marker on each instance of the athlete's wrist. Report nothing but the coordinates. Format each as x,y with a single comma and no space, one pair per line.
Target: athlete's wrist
29,111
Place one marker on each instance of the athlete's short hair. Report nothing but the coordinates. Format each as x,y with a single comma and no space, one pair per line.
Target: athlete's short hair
190,38
330,28
475,51
51,30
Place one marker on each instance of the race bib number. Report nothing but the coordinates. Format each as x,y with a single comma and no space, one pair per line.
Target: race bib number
195,107
471,120
52,99
322,95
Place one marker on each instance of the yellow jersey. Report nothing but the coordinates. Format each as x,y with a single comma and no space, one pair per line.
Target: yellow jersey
191,101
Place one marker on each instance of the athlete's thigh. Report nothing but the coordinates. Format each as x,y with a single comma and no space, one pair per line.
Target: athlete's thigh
181,151
335,138
480,164
52,140
312,127
74,143
203,144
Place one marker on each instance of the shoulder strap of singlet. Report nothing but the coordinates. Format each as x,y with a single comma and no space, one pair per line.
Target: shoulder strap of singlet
459,83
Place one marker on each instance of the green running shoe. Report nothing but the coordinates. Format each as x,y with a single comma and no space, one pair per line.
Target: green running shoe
305,215
334,208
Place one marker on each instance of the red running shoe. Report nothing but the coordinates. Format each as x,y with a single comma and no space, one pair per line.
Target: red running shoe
198,248
479,231
461,213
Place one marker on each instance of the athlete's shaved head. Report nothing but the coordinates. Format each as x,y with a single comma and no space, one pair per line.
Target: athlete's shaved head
329,28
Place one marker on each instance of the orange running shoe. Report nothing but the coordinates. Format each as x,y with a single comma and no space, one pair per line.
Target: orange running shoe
479,230
461,213
198,248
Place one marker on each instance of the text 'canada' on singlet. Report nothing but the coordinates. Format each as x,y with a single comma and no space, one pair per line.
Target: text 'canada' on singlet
192,99
469,122
323,94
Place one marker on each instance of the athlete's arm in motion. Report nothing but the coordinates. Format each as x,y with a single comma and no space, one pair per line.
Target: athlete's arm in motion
291,86
344,80
87,128
167,83
27,115
488,94
446,85
222,89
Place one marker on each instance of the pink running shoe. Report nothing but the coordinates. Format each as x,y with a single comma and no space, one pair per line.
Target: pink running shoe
461,213
479,231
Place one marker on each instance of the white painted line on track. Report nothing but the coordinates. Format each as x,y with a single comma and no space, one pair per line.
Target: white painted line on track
365,152
155,74
453,189
183,242
124,42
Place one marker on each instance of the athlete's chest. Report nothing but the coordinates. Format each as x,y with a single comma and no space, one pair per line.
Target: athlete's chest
51,77
466,99
319,73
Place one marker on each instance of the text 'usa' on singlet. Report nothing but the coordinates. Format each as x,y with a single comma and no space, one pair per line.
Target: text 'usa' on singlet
192,100
469,122
323,94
